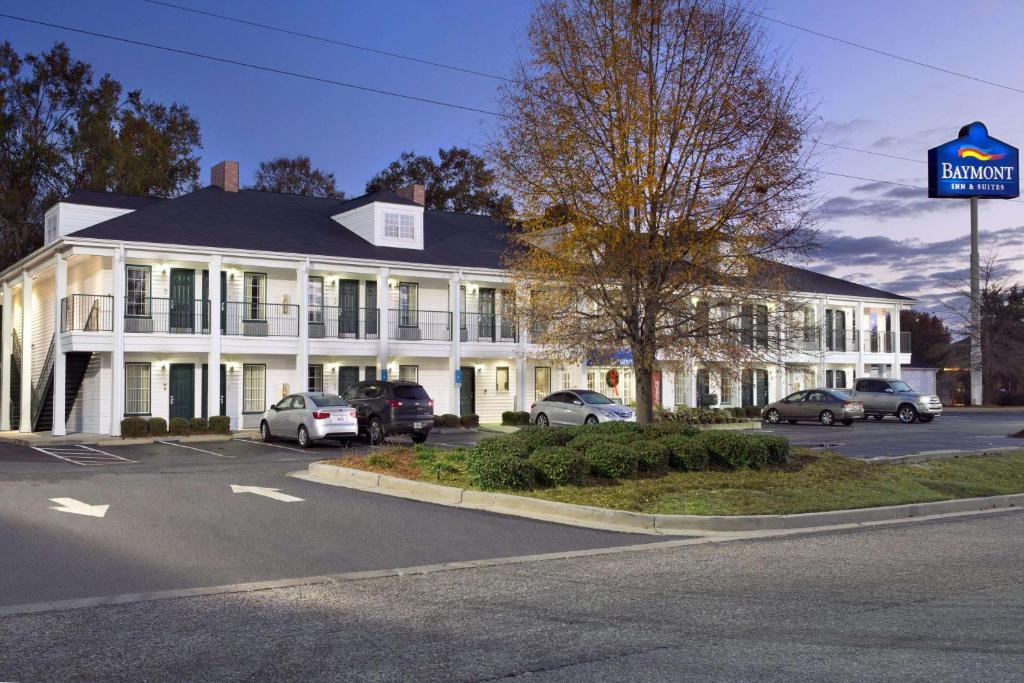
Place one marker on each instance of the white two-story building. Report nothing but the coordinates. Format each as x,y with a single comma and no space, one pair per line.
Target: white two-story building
223,300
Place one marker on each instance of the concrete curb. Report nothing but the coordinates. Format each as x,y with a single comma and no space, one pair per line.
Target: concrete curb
925,456
117,441
634,522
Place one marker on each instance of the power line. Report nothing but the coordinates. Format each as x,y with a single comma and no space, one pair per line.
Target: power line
257,67
331,41
868,48
867,151
869,180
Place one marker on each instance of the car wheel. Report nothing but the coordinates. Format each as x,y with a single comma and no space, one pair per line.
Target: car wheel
542,420
376,432
827,418
265,434
792,422
418,437
925,418
304,440
772,416
591,420
906,413
847,422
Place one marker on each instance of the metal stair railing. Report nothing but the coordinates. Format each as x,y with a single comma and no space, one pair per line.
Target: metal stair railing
39,389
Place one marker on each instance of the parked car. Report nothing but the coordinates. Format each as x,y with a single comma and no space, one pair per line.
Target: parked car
882,396
309,417
577,407
385,408
826,406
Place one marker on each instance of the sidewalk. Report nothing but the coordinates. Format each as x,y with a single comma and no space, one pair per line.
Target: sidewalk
91,439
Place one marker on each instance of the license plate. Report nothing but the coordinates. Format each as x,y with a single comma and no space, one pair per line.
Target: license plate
339,418
417,425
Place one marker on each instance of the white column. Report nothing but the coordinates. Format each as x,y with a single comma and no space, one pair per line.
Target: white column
302,299
862,330
455,306
823,331
6,330
117,276
896,370
26,353
214,389
60,270
521,402
584,370
692,373
384,328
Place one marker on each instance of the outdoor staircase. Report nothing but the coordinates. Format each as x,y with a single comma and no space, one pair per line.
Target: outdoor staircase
15,380
42,394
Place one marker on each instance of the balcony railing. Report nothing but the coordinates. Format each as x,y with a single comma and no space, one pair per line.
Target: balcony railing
166,316
87,313
487,327
332,322
841,340
256,319
883,342
410,324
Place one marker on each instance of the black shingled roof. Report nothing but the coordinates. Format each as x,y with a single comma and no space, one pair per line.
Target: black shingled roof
113,200
294,224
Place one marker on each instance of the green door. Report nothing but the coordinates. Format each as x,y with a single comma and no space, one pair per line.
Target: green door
348,308
182,390
486,308
182,301
467,391
347,376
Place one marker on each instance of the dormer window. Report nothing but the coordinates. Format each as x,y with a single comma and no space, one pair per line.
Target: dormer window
399,225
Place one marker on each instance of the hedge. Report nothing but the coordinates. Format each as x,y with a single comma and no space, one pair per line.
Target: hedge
502,445
494,469
220,424
685,453
656,430
734,451
199,425
652,456
470,421
700,416
536,437
558,465
610,460
179,426
157,426
515,417
133,427
447,420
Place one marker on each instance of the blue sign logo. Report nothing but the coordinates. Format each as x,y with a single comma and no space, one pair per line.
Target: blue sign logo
458,375
384,374
974,165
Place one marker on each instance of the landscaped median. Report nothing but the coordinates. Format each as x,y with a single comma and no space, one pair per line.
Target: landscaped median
669,477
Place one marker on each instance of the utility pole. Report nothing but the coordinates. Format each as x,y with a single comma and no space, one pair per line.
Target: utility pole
975,311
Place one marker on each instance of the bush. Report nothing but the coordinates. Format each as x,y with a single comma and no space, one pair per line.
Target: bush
503,445
652,456
537,437
220,424
447,420
179,426
685,453
515,417
778,448
615,428
700,416
132,427
494,469
610,460
199,425
558,465
752,411
733,450
470,421
656,430
157,426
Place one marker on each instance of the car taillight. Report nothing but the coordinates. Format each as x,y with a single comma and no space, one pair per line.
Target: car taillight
430,403
321,414
394,403
532,406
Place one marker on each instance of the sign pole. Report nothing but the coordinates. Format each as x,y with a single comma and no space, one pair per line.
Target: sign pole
975,310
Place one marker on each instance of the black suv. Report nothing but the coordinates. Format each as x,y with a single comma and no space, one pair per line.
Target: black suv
386,408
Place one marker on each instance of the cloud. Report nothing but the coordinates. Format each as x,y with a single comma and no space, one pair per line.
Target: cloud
884,201
841,131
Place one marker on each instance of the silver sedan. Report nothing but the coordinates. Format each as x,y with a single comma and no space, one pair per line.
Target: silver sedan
826,406
577,407
308,417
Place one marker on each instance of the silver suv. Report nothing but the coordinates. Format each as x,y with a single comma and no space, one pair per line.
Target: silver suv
882,396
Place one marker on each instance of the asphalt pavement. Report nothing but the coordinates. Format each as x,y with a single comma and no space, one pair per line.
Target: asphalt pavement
923,601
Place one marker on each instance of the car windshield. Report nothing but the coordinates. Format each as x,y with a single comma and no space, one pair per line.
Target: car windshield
327,400
842,396
593,398
900,386
412,392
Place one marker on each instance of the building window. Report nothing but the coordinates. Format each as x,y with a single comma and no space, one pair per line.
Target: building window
409,373
137,288
501,378
316,378
255,296
565,379
541,382
681,383
835,379
254,388
136,388
408,303
316,299
463,307
399,226
725,397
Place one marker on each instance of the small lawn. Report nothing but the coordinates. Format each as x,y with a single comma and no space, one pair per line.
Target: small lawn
810,482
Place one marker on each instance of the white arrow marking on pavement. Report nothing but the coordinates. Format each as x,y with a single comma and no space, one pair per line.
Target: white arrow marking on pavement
263,491
77,507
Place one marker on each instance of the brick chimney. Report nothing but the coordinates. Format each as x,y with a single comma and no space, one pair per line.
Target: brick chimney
225,176
415,192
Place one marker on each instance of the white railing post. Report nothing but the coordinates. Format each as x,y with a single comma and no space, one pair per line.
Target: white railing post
60,275
26,353
302,299
383,324
7,330
214,389
455,308
117,355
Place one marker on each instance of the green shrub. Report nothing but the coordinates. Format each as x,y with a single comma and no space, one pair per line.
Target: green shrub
382,460
515,417
558,465
537,437
199,425
496,469
584,439
656,430
220,424
179,426
752,411
733,450
447,420
157,426
686,453
652,456
616,428
509,444
778,448
470,421
610,460
132,427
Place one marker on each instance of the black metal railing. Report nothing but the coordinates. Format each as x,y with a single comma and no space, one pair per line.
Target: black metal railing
487,327
87,313
39,389
885,342
256,319
804,339
904,342
841,340
332,322
410,324
166,316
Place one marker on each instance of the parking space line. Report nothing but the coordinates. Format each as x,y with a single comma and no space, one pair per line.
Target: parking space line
193,448
82,455
275,445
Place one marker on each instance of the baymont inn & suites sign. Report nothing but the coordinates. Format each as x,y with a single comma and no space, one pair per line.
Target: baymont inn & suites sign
974,165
